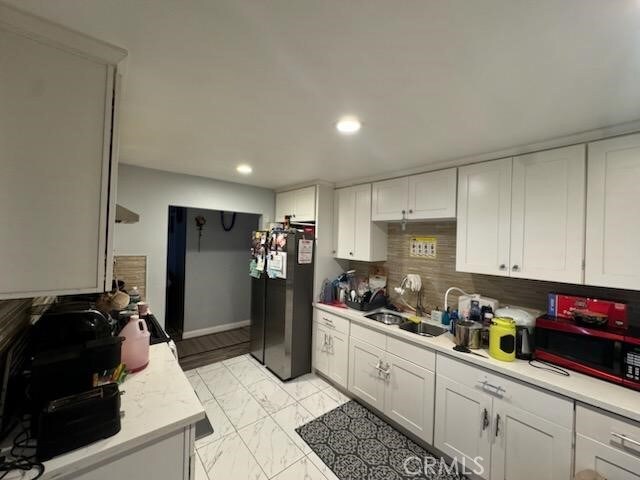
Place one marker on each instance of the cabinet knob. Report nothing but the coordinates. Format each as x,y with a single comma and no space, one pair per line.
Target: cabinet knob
403,212
502,266
515,268
410,211
351,253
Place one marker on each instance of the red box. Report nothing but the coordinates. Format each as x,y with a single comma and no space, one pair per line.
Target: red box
563,305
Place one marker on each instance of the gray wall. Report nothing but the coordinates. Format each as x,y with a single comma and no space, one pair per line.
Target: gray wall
217,281
150,192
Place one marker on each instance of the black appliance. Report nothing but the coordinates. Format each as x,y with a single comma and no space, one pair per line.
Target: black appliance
608,353
72,345
281,300
524,342
77,420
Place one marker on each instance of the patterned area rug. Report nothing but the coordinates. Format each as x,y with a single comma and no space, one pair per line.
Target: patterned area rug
358,445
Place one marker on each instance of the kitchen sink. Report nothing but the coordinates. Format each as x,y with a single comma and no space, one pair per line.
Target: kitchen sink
386,318
424,329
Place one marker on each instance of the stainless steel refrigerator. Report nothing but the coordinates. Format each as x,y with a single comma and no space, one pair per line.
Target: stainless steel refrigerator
281,301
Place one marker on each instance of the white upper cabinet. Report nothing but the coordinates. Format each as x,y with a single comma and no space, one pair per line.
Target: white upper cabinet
58,157
358,238
433,195
390,199
548,215
613,213
299,204
285,202
524,217
484,218
429,196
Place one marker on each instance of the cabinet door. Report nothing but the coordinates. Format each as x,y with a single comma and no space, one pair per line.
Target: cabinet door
433,195
463,424
390,199
55,119
365,379
285,205
525,443
338,358
548,215
409,397
609,462
345,223
304,204
362,228
321,349
484,218
613,213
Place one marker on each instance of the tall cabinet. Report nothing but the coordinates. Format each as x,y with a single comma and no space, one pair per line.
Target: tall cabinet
58,157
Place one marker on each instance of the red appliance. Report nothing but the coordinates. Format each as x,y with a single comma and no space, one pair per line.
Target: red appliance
565,306
611,354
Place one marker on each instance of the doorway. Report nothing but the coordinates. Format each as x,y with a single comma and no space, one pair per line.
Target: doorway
208,283
176,251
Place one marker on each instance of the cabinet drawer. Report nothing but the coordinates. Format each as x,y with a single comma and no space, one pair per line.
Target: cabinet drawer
609,429
332,322
545,405
372,337
422,357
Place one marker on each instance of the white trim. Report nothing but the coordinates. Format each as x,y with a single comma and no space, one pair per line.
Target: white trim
43,30
216,329
575,139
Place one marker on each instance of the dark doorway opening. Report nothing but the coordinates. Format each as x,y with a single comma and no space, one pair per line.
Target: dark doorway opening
176,251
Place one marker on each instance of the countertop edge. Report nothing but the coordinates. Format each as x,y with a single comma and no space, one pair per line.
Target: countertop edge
490,364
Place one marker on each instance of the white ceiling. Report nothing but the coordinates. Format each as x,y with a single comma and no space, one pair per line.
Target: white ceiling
213,83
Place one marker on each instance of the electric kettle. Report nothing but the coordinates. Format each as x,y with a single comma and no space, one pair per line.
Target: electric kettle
502,339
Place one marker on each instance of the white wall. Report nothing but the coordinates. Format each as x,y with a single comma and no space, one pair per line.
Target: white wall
217,287
150,192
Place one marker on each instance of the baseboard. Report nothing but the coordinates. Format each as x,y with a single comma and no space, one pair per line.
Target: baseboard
216,329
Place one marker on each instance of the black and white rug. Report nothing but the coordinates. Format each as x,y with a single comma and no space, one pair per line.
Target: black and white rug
358,445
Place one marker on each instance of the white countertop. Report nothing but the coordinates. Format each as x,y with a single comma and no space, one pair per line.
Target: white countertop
589,390
157,401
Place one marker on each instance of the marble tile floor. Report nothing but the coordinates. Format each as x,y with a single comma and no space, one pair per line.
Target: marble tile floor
254,416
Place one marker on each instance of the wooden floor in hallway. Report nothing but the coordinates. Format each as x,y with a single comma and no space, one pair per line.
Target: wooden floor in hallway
198,351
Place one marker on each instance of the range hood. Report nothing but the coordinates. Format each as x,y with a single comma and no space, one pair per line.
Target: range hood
124,215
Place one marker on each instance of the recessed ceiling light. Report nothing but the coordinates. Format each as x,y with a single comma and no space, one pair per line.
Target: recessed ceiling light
244,169
348,125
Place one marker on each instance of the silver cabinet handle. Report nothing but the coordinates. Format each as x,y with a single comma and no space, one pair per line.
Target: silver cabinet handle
497,389
623,438
331,343
485,419
328,321
377,366
497,424
387,371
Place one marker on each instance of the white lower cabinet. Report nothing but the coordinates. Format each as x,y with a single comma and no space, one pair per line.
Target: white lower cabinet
463,424
499,428
608,444
409,396
171,458
609,462
402,390
366,380
331,353
523,443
